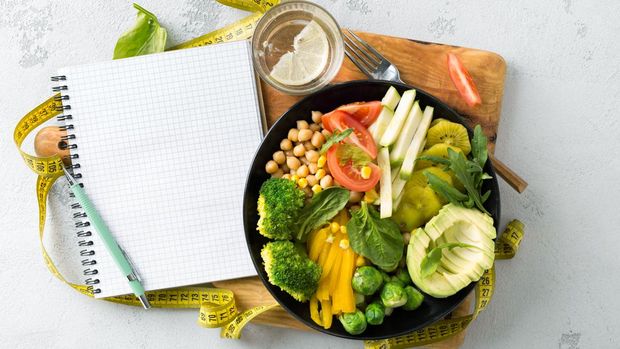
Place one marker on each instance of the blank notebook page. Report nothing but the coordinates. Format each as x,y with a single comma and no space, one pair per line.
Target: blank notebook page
164,143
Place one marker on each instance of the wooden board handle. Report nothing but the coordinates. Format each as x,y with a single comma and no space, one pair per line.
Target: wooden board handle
513,179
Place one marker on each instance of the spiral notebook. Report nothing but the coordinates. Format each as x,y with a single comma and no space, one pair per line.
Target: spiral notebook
162,144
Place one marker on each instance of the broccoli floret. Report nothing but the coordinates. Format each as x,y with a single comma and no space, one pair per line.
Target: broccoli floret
279,203
291,270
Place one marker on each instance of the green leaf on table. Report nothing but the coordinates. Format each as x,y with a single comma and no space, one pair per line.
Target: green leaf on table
431,261
146,36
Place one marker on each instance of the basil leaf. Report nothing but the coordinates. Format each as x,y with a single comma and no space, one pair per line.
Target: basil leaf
431,261
323,207
146,36
377,239
336,137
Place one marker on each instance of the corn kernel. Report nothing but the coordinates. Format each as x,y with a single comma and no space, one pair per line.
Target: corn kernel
344,244
294,178
370,196
320,174
330,239
343,229
335,227
360,261
321,161
366,172
302,182
317,188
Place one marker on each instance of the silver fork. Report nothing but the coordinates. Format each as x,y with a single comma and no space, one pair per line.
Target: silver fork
368,60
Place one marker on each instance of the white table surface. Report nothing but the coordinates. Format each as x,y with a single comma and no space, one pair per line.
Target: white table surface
560,130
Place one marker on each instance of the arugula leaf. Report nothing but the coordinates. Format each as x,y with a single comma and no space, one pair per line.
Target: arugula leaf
469,172
146,36
431,261
323,207
479,147
336,137
351,153
377,239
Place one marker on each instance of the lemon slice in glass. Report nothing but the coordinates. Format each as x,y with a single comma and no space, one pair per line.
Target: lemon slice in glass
308,59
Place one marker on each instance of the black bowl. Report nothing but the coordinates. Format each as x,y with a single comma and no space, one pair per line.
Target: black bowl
400,322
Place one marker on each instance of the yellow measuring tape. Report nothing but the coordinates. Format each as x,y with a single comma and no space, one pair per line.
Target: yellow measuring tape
217,306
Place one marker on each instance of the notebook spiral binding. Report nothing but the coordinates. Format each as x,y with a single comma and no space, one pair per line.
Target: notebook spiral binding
81,220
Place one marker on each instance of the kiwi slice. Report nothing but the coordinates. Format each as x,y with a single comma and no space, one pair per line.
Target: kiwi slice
449,133
418,206
435,121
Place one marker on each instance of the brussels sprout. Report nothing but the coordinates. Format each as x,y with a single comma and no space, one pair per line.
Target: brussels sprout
375,312
414,298
366,280
397,280
386,278
359,300
403,275
388,311
393,295
354,323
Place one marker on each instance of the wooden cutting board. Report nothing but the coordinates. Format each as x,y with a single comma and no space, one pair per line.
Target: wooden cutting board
421,64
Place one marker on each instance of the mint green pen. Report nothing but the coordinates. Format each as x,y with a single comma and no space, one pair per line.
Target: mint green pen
110,243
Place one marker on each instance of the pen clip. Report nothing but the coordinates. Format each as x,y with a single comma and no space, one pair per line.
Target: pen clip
133,275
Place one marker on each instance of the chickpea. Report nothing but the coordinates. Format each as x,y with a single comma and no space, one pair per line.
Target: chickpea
326,182
304,160
279,157
278,174
286,176
305,135
289,153
312,180
286,144
271,167
293,135
312,155
316,116
406,236
292,162
313,167
355,196
326,133
317,139
292,173
315,127
299,150
285,168
302,124
308,145
308,191
302,171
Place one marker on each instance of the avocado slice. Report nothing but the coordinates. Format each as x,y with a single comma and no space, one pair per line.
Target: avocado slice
461,265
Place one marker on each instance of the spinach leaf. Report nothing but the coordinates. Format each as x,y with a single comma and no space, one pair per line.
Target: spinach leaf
377,239
336,137
146,36
323,207
430,262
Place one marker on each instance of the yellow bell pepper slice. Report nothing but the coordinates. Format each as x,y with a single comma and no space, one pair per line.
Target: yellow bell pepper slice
314,310
326,314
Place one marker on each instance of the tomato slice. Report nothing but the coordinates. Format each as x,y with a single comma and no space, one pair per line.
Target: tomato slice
463,81
348,175
364,112
339,120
